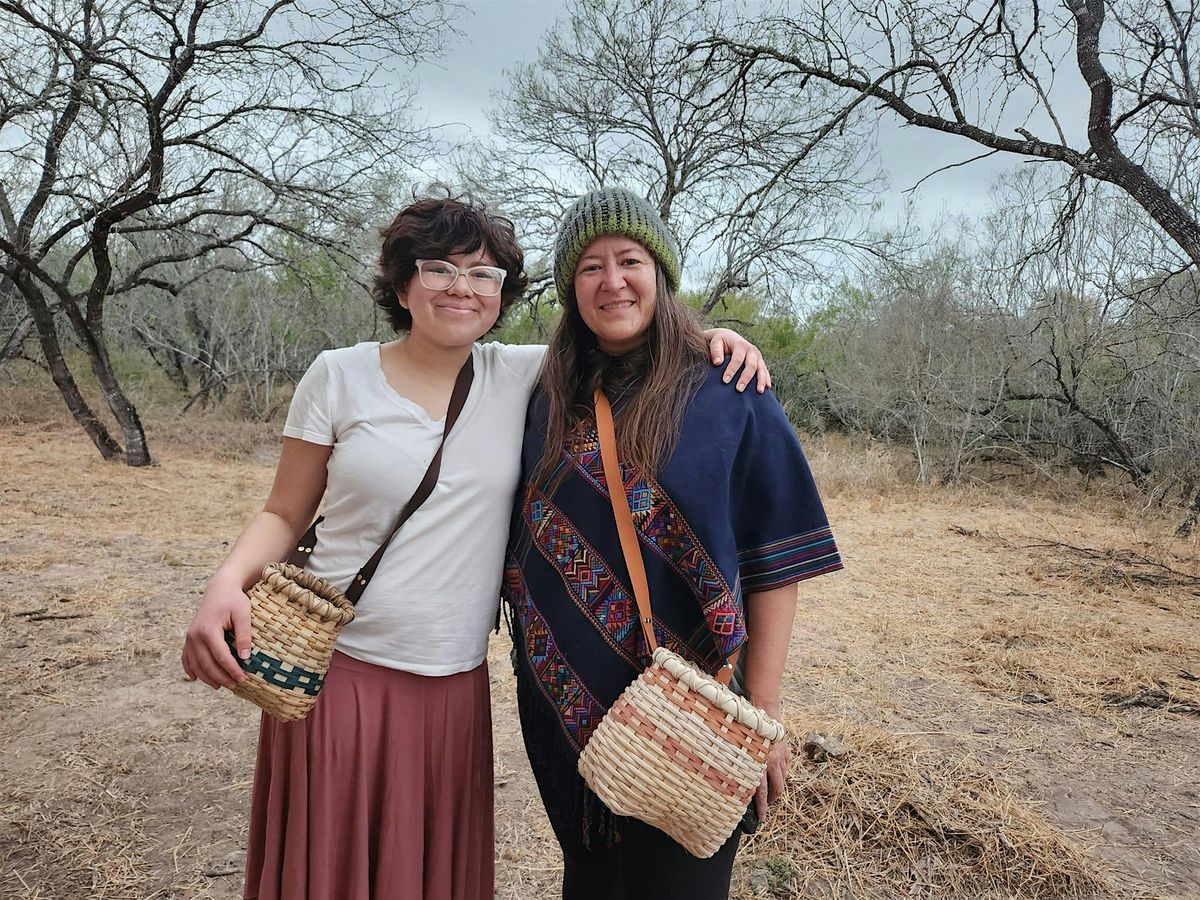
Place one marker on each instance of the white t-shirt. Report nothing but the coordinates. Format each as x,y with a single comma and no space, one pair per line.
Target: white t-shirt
433,599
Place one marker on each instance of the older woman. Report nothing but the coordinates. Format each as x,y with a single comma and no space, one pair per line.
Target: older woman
385,790
728,521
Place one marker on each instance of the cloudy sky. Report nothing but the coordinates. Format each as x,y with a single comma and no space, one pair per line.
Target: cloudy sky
455,90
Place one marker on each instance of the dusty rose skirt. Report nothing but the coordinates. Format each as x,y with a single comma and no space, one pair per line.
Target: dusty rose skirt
384,791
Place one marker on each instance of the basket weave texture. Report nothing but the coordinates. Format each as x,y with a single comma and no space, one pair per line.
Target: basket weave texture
681,752
295,618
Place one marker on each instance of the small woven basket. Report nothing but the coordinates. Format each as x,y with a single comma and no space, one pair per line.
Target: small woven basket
295,618
681,752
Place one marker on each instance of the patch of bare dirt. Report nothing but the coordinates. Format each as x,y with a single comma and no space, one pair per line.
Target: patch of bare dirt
987,657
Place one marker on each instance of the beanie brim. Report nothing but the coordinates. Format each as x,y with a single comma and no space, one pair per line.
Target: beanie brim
612,211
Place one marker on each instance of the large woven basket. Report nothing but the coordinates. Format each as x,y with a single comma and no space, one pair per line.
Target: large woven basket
681,752
295,618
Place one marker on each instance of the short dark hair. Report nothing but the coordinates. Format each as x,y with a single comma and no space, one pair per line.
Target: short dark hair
435,227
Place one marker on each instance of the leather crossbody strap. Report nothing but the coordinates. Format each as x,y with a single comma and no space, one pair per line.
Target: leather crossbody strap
630,548
458,398
625,529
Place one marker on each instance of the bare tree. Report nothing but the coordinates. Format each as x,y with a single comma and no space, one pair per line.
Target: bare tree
919,360
987,72
214,122
984,351
243,328
750,174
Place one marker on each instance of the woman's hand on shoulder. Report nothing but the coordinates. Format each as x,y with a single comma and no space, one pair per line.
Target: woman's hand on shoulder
742,355
206,656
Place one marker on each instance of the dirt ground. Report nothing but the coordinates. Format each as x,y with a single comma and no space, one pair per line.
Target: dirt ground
1049,643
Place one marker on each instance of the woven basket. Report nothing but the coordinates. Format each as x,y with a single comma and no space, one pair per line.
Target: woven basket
295,618
681,752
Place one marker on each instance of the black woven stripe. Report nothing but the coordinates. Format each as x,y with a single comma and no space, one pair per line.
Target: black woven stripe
275,672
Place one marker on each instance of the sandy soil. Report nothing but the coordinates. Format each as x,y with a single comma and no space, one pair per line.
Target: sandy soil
994,628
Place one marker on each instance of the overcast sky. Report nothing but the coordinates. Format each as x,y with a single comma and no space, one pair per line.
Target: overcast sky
454,92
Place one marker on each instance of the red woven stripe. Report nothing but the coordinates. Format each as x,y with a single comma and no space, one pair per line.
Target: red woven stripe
627,715
718,721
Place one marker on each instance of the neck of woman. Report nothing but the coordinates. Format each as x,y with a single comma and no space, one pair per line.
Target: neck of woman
616,375
417,353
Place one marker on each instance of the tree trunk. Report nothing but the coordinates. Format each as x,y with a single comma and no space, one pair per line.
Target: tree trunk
16,341
63,379
90,332
1188,525
137,453
1114,166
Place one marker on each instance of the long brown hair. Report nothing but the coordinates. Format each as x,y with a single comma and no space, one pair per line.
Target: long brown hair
660,378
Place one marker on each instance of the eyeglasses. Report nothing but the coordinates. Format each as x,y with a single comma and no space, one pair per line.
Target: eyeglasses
439,275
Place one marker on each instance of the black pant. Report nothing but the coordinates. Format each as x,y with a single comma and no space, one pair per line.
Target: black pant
644,865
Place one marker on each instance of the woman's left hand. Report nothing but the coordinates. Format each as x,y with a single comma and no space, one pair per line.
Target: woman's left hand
742,355
772,784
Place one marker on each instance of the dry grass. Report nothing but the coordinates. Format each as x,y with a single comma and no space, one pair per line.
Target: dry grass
854,466
968,656
892,818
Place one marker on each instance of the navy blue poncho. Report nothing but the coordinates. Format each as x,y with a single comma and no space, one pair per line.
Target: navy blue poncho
735,511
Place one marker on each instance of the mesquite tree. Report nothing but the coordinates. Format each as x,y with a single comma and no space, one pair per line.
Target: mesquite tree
991,73
141,134
987,72
749,173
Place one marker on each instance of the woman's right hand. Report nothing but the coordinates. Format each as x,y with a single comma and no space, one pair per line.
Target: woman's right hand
206,656
295,495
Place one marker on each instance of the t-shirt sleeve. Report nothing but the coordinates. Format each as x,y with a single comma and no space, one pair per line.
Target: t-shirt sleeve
310,416
779,522
523,359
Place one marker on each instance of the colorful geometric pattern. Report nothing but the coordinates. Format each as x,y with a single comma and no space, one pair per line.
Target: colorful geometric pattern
602,598
789,560
663,528
578,711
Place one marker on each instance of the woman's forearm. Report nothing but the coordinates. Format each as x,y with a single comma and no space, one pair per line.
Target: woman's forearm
271,535
268,538
769,618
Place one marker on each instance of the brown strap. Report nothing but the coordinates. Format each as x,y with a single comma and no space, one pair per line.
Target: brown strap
619,498
458,398
620,507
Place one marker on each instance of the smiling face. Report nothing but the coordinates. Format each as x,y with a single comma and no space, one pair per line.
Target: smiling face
615,290
456,316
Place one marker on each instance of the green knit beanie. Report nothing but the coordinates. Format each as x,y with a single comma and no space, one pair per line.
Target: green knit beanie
612,210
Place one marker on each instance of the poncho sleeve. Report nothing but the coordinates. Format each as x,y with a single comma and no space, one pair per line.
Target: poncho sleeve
782,533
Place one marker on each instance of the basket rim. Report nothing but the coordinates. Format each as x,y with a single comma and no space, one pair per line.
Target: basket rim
313,593
753,717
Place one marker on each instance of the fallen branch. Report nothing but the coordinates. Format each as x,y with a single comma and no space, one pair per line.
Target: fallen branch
1151,699
1113,555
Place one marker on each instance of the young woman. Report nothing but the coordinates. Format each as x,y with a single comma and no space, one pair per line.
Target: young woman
385,790
728,522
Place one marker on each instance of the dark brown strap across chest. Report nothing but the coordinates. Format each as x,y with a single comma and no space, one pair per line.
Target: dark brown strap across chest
308,541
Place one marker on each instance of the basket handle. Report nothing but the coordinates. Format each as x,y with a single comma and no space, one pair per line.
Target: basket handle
628,534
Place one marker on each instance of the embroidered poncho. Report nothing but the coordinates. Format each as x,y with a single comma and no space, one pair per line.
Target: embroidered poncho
735,511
